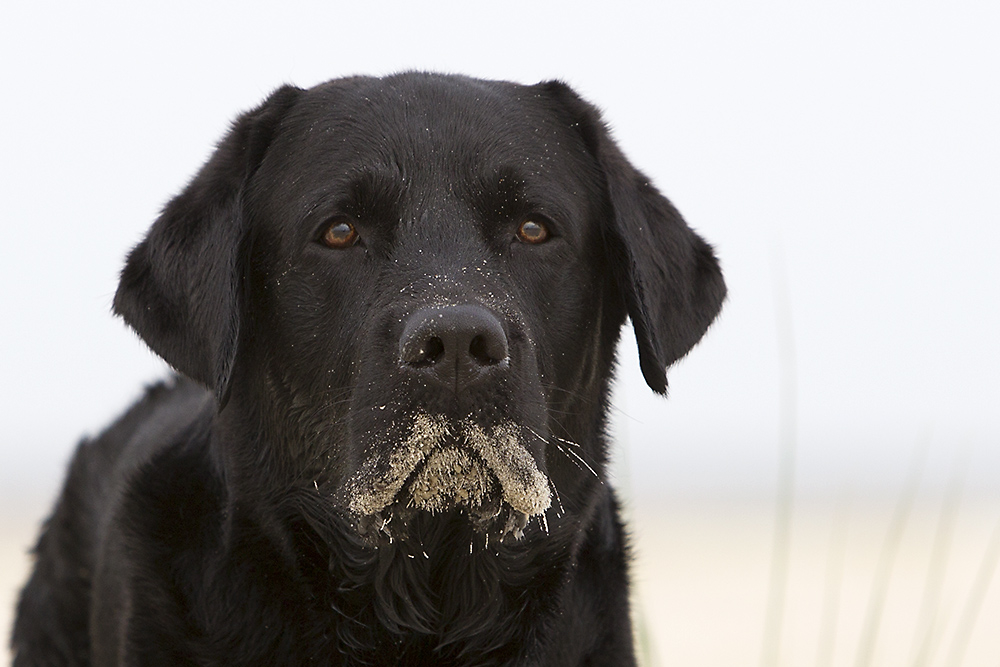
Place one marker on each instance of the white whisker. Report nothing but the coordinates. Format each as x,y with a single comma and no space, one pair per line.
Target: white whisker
555,492
568,442
570,452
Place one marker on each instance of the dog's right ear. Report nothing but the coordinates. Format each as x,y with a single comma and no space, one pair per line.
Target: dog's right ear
180,289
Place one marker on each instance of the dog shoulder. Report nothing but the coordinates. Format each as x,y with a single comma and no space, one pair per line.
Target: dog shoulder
162,510
168,423
102,482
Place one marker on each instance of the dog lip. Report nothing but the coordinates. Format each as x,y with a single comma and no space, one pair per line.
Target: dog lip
450,476
374,491
524,486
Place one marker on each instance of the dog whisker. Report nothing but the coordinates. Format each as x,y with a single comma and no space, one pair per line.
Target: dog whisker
565,441
555,492
574,455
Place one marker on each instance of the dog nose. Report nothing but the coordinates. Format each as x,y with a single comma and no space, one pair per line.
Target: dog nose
455,345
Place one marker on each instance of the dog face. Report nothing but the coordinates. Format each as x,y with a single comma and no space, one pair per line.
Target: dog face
433,271
410,290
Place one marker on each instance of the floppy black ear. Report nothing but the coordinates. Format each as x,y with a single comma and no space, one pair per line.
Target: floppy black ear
669,276
181,286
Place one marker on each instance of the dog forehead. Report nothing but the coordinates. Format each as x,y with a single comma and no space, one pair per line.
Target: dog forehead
426,126
445,150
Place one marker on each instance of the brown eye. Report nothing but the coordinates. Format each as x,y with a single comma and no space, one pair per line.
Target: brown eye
340,234
533,230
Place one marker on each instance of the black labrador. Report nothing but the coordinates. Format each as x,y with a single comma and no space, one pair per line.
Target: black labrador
394,304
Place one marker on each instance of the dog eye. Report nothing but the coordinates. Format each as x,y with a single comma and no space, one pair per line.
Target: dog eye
339,234
533,230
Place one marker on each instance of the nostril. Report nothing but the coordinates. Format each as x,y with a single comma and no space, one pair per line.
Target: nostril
422,351
431,351
480,350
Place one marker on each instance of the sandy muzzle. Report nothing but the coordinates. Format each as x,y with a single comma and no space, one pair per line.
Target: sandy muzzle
444,464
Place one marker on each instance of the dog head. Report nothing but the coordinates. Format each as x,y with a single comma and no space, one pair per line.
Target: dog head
408,290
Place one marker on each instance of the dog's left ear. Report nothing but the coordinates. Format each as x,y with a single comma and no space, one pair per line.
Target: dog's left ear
669,276
181,286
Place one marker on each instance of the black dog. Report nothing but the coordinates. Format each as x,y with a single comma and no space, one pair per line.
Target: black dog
403,296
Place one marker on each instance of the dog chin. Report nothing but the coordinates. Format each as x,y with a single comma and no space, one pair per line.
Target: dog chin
494,521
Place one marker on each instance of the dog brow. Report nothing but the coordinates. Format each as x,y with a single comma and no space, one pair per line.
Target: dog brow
498,192
374,192
507,191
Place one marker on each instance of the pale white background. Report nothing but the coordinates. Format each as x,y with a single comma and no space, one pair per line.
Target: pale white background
848,155
844,159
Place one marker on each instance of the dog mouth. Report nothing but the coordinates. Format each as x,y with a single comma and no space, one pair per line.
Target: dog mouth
445,465
450,477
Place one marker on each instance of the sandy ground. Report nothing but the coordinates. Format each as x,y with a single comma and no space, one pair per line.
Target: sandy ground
702,571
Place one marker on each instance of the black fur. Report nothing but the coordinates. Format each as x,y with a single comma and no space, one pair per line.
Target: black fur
243,524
